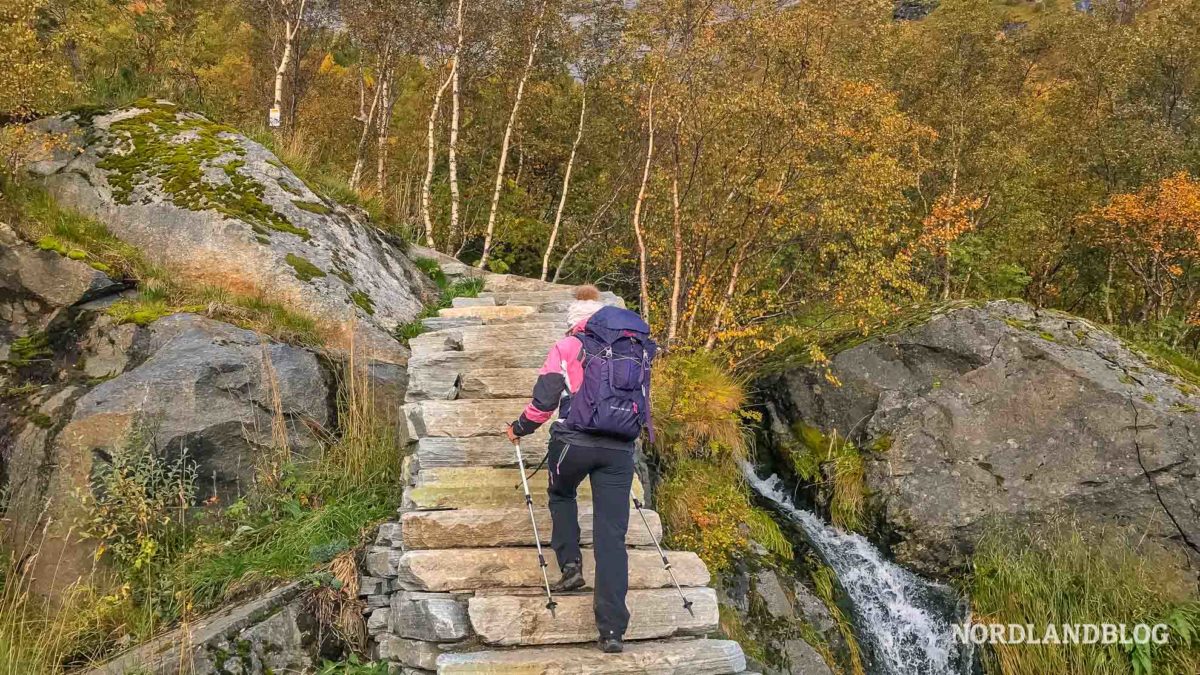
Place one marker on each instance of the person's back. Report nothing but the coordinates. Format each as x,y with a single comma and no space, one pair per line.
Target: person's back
598,378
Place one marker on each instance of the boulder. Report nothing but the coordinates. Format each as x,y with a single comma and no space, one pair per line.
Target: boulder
1004,412
200,389
217,208
37,285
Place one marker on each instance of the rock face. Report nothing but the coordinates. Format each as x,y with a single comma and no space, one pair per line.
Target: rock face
1005,412
36,286
268,634
184,384
218,208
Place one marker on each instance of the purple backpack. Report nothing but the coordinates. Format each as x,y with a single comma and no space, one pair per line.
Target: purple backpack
614,398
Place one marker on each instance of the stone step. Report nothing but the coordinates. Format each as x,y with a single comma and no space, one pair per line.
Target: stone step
536,298
512,620
497,383
673,657
488,313
538,335
435,451
480,487
513,283
434,376
481,301
461,419
469,569
441,323
509,526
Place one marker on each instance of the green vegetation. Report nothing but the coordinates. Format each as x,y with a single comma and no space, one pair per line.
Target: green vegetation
463,288
825,587
698,408
29,349
173,562
1069,573
312,207
174,148
305,270
837,467
363,300
160,293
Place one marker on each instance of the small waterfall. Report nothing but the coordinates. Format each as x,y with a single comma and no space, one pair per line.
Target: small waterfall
904,622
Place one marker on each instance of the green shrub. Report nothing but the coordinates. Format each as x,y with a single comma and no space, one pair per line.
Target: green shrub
1066,574
463,288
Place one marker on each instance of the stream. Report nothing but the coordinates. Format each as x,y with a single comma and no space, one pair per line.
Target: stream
903,622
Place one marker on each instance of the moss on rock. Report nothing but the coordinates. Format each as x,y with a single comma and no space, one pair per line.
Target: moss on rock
305,270
312,207
177,148
364,301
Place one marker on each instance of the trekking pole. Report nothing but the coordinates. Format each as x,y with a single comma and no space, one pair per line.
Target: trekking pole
687,604
537,538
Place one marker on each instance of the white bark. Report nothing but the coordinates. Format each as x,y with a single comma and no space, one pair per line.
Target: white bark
290,29
677,235
360,155
429,161
562,200
508,129
455,76
388,98
643,283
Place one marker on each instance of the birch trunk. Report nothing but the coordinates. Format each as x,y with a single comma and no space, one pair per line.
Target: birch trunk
643,283
453,153
716,324
290,30
562,200
677,235
508,129
385,120
360,155
426,198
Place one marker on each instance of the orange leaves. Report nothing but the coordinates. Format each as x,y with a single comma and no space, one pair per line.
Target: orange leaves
1162,219
951,217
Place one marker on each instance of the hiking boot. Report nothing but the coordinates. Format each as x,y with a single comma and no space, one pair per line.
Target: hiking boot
572,578
611,645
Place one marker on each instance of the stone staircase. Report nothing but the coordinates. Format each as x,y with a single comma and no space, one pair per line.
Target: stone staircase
454,584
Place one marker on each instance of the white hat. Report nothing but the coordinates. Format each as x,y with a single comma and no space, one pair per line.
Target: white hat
581,310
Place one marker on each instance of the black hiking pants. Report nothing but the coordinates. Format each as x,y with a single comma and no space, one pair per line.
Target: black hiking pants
611,473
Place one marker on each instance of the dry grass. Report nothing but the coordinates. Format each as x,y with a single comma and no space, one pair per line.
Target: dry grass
697,407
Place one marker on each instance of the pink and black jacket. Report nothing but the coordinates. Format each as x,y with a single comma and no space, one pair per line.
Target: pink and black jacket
562,375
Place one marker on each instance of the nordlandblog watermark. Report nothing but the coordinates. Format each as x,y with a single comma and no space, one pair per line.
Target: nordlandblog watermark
1062,634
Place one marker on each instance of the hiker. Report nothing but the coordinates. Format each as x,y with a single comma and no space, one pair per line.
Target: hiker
598,377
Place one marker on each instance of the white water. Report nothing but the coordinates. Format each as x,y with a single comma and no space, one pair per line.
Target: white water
905,621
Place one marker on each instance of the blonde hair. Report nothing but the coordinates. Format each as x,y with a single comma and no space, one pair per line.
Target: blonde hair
587,292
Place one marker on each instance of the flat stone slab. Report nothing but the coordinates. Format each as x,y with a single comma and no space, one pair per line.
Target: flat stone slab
468,486
524,620
461,419
432,617
473,302
486,313
438,451
479,568
497,383
674,657
505,527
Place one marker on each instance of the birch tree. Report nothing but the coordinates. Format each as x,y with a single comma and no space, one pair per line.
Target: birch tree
456,77
508,130
292,12
430,159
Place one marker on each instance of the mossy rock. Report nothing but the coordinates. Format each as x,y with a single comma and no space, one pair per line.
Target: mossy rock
305,270
312,207
176,149
363,301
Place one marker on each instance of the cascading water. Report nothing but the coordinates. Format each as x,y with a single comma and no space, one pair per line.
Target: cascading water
905,621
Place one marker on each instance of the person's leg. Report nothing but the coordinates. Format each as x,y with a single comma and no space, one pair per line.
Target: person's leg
612,478
566,473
